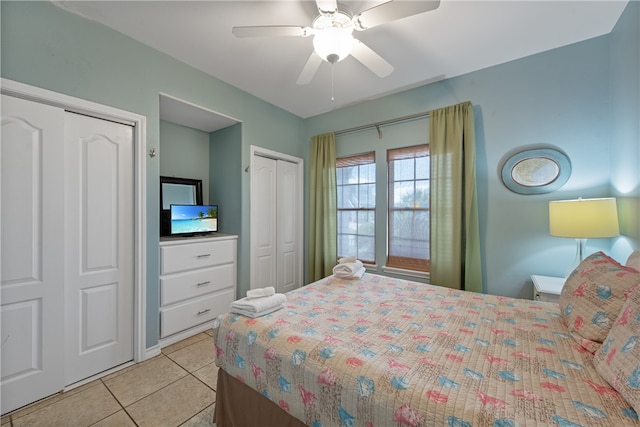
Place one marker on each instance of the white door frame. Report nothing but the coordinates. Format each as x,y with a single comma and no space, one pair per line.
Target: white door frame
264,152
139,122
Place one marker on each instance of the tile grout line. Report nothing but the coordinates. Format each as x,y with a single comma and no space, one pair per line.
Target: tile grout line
192,374
119,403
187,373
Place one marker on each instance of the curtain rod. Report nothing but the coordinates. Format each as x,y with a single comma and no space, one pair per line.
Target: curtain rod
383,123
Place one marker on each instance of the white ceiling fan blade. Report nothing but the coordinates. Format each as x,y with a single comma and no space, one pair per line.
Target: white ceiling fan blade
310,68
327,7
370,59
270,31
390,11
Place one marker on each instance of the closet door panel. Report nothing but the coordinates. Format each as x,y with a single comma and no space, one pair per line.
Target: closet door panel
99,316
263,231
288,258
31,262
98,204
22,196
99,246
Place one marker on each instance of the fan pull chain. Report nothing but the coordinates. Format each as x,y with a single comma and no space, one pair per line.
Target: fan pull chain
332,81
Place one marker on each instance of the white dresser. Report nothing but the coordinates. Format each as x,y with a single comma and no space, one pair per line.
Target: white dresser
197,283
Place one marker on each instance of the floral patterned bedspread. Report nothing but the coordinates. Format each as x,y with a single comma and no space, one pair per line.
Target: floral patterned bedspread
389,352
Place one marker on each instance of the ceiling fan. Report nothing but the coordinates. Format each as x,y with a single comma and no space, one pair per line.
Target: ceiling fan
332,32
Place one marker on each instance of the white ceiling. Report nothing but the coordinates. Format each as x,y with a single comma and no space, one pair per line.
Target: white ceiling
457,38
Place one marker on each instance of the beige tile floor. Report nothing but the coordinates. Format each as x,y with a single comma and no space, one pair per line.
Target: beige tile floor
175,388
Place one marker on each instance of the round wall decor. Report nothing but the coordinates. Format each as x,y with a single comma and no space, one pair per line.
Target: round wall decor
536,171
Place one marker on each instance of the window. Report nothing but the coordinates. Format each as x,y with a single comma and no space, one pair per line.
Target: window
408,217
356,190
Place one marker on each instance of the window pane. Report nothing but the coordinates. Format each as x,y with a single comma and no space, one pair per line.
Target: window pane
368,173
422,167
367,196
347,245
349,175
339,172
403,169
410,234
366,223
366,248
422,194
349,196
403,194
347,222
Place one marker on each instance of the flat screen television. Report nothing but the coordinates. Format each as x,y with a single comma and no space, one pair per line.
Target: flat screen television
193,220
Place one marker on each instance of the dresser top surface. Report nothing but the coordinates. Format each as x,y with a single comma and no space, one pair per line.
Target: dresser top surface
181,240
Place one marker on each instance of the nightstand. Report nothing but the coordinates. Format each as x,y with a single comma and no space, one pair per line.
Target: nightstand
546,288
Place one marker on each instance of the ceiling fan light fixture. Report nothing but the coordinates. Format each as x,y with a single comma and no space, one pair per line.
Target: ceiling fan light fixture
333,44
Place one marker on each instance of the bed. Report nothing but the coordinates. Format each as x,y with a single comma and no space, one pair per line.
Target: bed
389,352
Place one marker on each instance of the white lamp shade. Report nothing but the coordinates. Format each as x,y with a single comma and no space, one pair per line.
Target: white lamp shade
584,218
333,41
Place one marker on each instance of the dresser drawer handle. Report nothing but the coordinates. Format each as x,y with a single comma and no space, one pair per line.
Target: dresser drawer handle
203,256
208,282
200,313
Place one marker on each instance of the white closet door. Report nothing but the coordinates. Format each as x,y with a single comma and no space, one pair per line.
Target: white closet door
263,223
32,262
288,252
99,245
276,222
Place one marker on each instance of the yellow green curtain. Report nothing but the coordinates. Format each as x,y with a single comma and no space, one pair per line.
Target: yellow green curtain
455,235
322,207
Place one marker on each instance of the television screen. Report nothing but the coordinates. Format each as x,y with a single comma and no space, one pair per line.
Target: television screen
194,219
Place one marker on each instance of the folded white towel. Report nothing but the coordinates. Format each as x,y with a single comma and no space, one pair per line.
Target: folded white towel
261,292
259,306
357,275
252,314
347,259
347,269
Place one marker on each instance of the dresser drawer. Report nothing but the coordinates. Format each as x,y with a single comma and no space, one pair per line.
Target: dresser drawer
196,255
190,284
547,297
186,315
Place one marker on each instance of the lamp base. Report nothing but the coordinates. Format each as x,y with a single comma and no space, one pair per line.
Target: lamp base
580,244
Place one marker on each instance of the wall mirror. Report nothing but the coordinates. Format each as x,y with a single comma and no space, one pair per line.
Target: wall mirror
179,191
535,171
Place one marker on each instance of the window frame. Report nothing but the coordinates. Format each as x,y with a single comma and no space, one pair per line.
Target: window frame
394,260
349,161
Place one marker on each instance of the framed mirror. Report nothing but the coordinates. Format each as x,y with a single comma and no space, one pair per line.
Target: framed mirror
178,191
536,171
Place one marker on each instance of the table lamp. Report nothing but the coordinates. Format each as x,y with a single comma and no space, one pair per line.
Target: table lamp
583,219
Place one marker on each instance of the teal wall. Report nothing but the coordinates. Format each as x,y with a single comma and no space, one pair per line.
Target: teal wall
625,126
226,177
47,47
582,98
185,154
